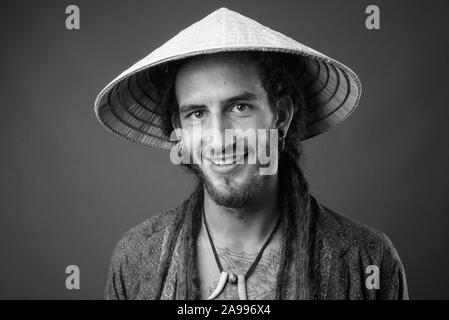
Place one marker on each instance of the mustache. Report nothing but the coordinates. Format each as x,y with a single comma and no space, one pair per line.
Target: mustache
240,146
234,150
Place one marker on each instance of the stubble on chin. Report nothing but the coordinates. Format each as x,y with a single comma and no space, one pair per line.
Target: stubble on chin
229,195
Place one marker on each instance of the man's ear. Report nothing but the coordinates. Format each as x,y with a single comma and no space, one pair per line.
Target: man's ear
285,111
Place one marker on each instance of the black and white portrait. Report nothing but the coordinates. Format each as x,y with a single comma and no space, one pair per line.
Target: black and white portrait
247,150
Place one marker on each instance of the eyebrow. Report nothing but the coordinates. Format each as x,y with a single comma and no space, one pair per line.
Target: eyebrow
245,96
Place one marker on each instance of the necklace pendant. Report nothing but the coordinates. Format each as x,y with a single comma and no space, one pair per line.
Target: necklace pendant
242,287
232,278
221,284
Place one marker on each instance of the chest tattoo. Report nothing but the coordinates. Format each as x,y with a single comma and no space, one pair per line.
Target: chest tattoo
260,285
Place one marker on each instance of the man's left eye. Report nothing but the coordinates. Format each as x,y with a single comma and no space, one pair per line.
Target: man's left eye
241,107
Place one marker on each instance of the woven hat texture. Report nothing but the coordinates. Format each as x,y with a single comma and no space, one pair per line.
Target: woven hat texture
129,105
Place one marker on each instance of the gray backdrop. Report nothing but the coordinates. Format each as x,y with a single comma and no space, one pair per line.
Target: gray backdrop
69,189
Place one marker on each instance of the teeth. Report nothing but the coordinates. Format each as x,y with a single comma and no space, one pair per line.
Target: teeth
226,161
222,163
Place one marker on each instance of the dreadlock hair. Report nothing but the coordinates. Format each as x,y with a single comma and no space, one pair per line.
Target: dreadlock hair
278,79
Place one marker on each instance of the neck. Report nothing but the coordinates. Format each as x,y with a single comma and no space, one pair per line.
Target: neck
245,228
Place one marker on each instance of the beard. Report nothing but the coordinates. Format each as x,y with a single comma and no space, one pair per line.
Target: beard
233,196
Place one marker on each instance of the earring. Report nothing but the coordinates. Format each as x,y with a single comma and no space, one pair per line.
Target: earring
281,142
180,147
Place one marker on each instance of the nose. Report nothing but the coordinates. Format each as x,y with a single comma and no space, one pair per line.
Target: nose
215,136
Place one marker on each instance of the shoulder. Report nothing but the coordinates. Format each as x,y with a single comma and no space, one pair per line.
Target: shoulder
347,234
136,256
357,251
146,235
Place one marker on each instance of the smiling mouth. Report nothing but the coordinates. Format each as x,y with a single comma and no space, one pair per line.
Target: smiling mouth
225,165
220,161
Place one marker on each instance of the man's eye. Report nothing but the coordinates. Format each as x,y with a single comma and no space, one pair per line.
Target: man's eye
198,114
241,107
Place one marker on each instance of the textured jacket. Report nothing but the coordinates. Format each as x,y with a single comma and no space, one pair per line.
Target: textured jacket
150,260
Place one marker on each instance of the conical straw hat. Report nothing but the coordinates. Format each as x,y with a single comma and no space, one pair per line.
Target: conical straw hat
128,106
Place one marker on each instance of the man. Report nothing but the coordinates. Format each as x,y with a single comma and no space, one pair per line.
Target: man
225,95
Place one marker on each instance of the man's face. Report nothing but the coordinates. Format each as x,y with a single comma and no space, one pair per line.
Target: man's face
216,93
